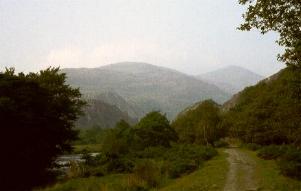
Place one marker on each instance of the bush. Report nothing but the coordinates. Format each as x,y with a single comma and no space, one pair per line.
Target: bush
151,152
290,163
178,167
271,152
220,143
252,146
183,159
120,165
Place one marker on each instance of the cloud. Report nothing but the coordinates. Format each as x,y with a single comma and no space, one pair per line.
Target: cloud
75,57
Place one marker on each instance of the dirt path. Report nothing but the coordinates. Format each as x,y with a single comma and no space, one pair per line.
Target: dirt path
241,172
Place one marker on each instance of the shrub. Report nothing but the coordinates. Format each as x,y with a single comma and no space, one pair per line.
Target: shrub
252,146
178,167
220,143
120,165
271,152
151,152
183,159
290,163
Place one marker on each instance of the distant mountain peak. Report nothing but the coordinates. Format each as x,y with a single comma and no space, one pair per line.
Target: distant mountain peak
231,79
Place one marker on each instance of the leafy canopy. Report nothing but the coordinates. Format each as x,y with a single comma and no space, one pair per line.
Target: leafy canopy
201,124
37,113
281,16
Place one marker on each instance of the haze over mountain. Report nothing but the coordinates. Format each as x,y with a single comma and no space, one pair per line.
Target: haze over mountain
145,86
231,79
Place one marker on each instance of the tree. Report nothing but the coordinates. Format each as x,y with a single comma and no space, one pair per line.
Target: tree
281,16
201,124
154,130
37,113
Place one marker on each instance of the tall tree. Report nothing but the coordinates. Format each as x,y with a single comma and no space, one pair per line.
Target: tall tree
37,113
281,16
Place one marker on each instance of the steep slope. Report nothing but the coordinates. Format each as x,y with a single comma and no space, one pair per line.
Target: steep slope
102,114
115,99
231,79
236,97
145,86
269,112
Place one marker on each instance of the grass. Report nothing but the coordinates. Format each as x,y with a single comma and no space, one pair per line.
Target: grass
92,148
106,183
212,176
269,175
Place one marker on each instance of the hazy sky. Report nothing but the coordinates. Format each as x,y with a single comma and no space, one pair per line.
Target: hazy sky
192,36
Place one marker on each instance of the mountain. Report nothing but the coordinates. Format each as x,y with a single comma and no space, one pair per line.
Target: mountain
145,86
115,99
231,79
99,113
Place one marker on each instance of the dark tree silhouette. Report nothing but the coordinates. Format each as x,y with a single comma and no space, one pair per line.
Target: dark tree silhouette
37,113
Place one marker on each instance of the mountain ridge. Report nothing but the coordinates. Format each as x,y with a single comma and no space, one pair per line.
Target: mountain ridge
145,86
231,79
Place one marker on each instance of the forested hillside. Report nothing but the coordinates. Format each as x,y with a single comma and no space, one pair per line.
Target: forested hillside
269,112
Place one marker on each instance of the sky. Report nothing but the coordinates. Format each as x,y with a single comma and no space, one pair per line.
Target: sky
191,36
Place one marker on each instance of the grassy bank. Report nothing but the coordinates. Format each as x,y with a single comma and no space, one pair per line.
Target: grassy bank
212,176
269,175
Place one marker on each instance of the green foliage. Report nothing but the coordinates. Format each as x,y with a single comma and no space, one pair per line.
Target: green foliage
290,163
281,16
269,113
154,130
271,152
187,158
94,135
201,125
151,152
37,114
149,171
220,143
288,157
252,146
120,165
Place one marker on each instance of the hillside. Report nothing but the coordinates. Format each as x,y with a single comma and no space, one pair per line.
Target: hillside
269,112
231,79
115,99
235,99
99,113
145,86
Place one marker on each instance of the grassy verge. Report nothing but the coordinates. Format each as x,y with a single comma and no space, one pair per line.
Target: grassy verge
269,176
212,176
106,183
